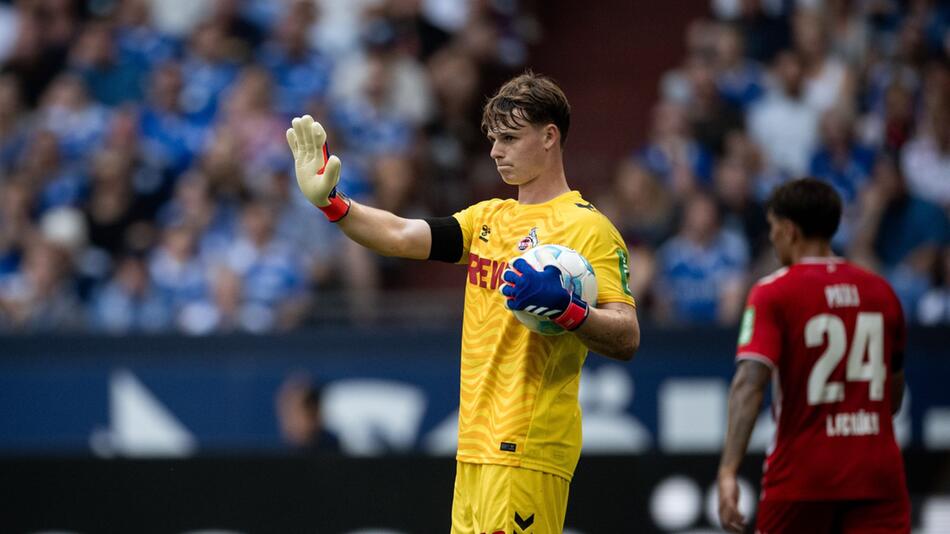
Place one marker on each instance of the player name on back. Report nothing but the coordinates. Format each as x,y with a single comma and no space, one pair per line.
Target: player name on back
842,296
859,423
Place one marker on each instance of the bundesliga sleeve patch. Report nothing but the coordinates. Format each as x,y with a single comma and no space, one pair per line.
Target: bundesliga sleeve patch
748,325
624,266
508,447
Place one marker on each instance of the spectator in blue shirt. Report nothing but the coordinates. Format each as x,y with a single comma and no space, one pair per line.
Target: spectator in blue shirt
176,269
840,160
301,74
207,71
846,165
740,80
41,295
271,273
140,43
170,138
112,79
701,271
192,205
78,123
673,154
57,184
128,302
259,132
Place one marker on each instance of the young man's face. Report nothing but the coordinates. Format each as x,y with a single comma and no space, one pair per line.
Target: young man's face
521,154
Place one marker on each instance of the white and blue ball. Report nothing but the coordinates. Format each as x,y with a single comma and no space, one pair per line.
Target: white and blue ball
577,276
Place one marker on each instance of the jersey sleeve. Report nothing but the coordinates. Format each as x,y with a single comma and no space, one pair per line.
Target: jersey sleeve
760,335
608,255
466,220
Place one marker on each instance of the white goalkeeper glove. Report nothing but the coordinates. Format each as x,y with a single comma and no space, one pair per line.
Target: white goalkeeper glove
317,172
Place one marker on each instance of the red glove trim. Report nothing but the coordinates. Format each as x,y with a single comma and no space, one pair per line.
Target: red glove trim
573,317
338,208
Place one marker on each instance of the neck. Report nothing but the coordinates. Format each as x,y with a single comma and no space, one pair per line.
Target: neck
812,249
539,191
549,184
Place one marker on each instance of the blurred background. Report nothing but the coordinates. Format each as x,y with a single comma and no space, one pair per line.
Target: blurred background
187,345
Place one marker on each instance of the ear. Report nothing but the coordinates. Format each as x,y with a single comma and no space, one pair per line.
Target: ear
552,136
792,230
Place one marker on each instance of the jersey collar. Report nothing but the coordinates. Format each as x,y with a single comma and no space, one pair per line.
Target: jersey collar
820,259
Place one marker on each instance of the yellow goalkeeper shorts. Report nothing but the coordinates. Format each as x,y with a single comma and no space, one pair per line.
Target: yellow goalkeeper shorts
498,499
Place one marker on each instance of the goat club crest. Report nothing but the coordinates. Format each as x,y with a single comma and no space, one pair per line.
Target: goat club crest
530,240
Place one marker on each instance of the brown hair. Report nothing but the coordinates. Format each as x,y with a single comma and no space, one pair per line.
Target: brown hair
527,99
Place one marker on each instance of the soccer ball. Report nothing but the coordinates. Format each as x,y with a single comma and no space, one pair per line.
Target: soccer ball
577,276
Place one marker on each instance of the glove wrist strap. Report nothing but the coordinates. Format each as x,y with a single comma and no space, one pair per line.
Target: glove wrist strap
338,207
574,316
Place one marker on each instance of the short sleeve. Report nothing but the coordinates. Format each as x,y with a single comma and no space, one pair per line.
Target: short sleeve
760,335
465,218
608,255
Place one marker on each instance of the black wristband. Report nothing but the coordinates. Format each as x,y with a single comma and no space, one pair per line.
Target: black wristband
446,239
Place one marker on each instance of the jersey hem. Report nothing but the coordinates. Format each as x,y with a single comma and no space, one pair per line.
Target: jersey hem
757,357
631,301
534,466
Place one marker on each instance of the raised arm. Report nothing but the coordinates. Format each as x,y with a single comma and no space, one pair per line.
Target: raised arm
317,176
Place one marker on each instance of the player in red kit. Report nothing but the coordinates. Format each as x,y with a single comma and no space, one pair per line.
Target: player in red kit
830,338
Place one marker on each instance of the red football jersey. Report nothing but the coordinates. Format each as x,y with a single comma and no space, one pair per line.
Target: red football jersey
830,332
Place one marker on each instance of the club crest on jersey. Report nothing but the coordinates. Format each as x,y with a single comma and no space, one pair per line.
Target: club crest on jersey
529,241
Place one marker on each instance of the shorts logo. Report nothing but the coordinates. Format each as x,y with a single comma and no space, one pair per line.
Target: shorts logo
524,523
508,447
529,241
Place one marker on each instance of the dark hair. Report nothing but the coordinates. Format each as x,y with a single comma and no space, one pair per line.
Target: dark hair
311,397
537,101
811,204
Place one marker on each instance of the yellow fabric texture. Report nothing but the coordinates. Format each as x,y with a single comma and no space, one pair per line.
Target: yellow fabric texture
518,402
491,499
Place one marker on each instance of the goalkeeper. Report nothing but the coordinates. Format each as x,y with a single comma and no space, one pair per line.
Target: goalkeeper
519,419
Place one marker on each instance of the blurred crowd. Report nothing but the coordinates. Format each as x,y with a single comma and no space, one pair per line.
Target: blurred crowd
853,92
145,181
146,186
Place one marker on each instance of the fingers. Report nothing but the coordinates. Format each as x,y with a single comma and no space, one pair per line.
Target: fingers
508,290
319,138
308,140
736,525
302,134
292,141
510,276
731,519
521,266
553,270
331,171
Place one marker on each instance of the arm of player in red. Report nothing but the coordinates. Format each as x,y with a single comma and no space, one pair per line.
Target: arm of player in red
745,401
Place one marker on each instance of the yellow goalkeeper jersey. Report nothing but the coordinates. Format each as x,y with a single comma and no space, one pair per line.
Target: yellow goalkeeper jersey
518,404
